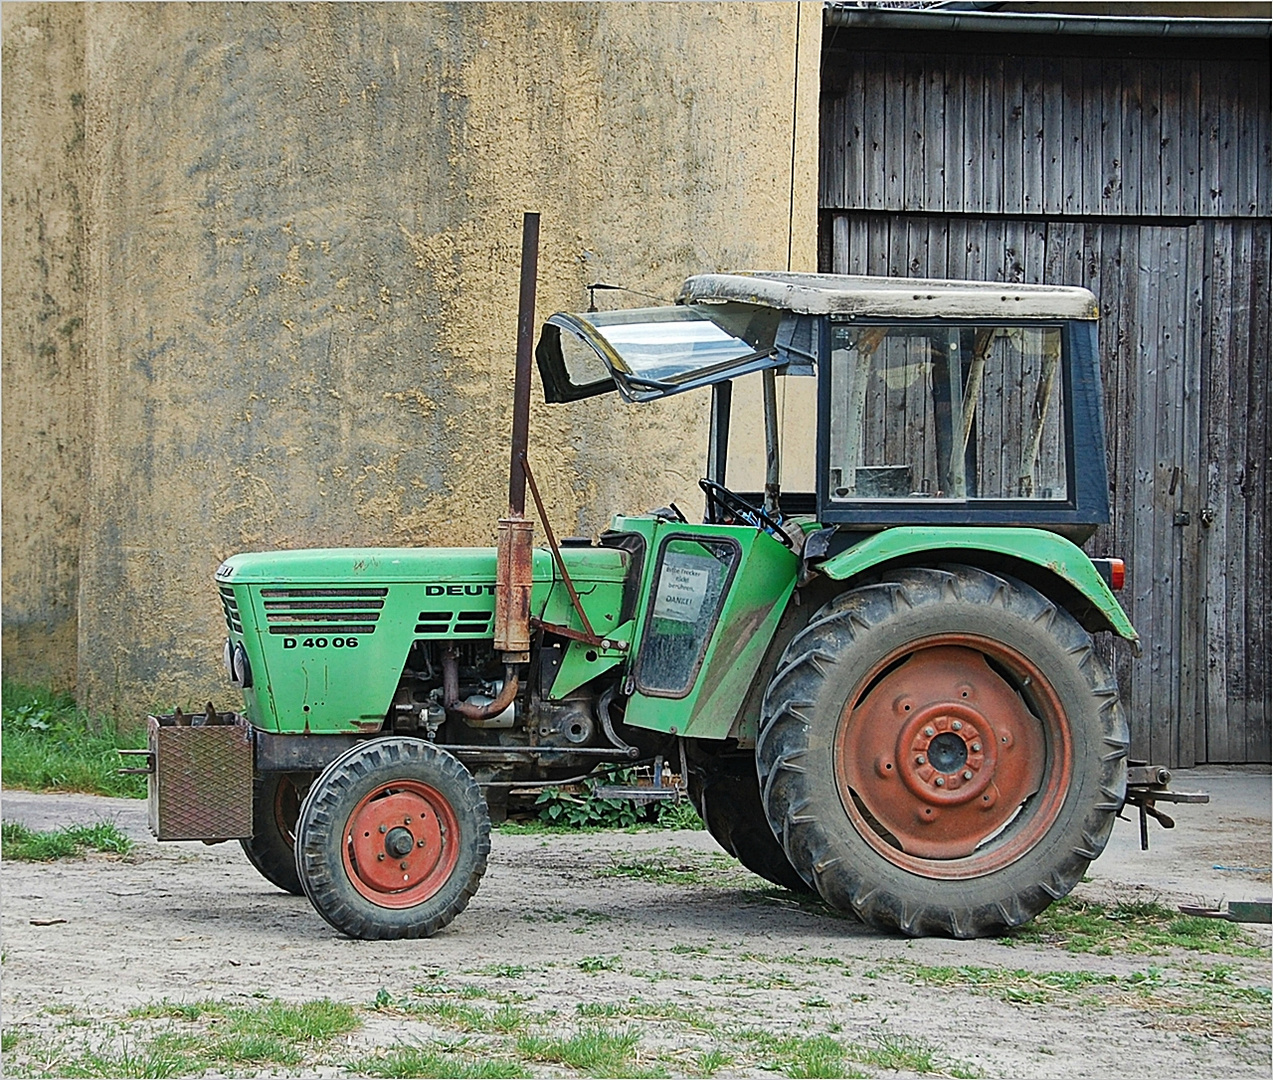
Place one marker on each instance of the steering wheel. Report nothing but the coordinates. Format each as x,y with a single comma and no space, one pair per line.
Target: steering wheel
720,496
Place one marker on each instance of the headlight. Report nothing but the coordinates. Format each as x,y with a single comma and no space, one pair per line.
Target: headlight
229,659
242,669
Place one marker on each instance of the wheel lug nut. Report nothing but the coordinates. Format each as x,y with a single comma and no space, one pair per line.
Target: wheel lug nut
384,828
967,774
976,747
940,781
929,732
920,760
957,725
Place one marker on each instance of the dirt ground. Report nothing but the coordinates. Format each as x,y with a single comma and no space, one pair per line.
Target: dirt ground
690,950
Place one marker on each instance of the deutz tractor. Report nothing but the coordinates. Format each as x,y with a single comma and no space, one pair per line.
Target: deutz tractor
882,689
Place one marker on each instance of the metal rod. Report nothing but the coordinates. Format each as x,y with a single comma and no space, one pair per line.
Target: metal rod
521,382
552,543
772,468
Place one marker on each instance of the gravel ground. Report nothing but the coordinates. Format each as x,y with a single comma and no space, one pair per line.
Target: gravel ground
654,932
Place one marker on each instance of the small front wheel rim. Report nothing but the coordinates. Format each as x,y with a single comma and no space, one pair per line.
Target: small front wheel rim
401,843
953,756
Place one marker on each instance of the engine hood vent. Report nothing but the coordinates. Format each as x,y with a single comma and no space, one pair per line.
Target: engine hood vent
322,611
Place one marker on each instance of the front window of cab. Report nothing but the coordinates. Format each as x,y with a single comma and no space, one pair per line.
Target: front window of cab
947,412
651,352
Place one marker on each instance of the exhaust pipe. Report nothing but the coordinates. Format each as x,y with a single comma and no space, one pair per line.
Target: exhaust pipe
514,549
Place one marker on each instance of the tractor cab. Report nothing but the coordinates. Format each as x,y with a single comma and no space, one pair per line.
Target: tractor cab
937,402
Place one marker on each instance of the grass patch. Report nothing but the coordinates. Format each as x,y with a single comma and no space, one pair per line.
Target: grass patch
595,1050
426,1061
201,1035
1084,926
674,867
51,745
808,1056
19,843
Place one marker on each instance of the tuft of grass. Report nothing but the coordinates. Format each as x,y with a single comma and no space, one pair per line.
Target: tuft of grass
1084,926
709,1062
19,843
596,1050
897,1052
673,867
796,1056
308,1022
50,744
593,964
427,1061
8,1040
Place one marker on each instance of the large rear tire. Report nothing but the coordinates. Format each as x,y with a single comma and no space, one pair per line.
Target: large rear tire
942,752
392,840
726,794
276,804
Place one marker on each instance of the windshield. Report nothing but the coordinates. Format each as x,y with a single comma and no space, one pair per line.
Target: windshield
652,352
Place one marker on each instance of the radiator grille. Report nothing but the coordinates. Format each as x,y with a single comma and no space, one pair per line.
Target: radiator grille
231,607
470,623
322,611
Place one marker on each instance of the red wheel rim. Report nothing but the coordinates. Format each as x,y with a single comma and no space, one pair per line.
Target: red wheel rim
953,756
401,844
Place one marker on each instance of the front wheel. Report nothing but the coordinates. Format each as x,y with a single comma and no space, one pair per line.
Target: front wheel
942,752
392,840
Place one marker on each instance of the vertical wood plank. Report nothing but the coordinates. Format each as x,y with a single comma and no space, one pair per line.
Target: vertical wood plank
953,135
1190,746
1014,136
934,126
1262,147
1072,135
1051,118
1105,90
1034,90
1191,136
856,151
895,144
1131,115
874,132
1170,136
1151,162
974,98
1216,542
992,137
1256,629
911,137
1209,107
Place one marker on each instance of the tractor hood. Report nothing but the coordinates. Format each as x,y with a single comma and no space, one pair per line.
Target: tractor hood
355,566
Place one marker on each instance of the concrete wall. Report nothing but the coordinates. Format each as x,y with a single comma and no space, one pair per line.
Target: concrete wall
42,306
305,228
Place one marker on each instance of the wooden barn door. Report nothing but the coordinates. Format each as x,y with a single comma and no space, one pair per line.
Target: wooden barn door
1185,344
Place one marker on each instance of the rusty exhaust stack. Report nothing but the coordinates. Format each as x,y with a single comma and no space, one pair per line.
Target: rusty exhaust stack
514,550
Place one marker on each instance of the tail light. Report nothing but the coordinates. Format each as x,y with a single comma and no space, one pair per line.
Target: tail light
1114,571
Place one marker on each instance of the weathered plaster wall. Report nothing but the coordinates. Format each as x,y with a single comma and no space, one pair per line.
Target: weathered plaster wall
304,246
42,302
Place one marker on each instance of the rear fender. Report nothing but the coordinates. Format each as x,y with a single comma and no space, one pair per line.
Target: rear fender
1044,560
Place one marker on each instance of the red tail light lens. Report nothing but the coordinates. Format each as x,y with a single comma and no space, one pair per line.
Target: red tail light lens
1112,570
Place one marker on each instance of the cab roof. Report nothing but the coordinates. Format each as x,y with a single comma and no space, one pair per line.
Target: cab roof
907,298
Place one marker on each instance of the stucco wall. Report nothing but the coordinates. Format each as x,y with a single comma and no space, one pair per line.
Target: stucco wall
42,302
305,227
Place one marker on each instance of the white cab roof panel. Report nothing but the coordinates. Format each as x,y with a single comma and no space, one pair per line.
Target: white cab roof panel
883,297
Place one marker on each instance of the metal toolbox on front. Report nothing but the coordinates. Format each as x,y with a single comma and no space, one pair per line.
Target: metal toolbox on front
200,782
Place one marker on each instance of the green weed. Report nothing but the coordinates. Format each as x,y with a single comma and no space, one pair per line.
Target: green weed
1082,926
310,1021
809,1056
51,745
424,1061
8,1040
671,867
593,964
595,1050
19,843
709,1062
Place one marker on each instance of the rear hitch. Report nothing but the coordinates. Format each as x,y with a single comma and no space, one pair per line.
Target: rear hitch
1147,785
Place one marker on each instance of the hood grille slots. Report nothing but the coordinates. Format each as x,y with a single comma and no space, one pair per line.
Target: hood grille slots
231,608
323,611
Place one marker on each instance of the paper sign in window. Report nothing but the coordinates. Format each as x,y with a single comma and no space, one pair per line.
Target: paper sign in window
683,585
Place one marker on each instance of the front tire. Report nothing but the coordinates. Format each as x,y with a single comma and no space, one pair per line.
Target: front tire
392,840
942,752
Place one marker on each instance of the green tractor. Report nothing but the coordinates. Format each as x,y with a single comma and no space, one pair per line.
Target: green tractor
883,689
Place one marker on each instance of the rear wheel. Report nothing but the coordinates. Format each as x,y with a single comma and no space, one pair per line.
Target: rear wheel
392,840
276,804
726,794
942,752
